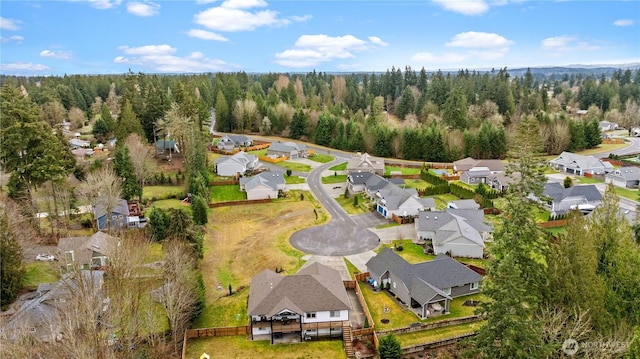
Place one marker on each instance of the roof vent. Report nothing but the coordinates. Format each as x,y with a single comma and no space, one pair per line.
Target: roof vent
427,217
435,217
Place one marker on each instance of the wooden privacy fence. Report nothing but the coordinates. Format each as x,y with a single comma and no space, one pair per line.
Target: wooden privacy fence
432,325
361,277
435,344
217,332
238,203
273,159
550,224
223,183
402,220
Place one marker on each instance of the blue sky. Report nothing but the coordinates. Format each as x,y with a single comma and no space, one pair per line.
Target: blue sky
113,36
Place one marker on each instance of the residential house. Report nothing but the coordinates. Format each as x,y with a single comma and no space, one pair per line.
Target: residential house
608,126
578,164
78,143
292,150
365,163
166,148
86,252
402,202
561,200
357,182
239,163
229,142
41,315
427,288
468,163
311,303
119,218
476,175
458,232
463,204
500,181
625,177
264,185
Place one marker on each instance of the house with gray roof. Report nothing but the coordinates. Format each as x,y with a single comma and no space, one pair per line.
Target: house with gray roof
90,252
578,164
358,182
458,232
40,316
120,217
229,142
625,177
311,303
363,162
468,163
403,202
561,200
292,150
463,204
239,163
426,288
264,185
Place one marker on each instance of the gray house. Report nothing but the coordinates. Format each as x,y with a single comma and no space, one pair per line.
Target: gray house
239,163
86,252
426,288
229,142
463,204
561,200
402,202
578,164
120,217
459,232
363,162
468,163
311,303
358,182
39,316
625,177
264,185
292,150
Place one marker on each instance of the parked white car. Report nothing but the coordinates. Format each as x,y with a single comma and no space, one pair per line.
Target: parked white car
45,257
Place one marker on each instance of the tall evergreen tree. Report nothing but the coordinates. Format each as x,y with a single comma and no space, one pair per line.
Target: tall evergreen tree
127,123
12,269
454,112
124,169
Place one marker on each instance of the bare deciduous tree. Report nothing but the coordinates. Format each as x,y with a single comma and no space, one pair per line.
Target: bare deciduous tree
102,188
141,158
77,117
178,290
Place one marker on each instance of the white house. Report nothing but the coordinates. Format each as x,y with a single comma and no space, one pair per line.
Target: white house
392,199
578,164
239,163
625,177
229,142
292,150
561,200
310,304
264,185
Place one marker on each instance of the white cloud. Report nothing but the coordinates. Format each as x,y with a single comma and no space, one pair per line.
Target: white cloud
623,22
143,8
566,43
102,4
236,15
9,24
427,57
21,67
16,38
160,58
474,39
311,50
148,50
465,7
206,35
62,55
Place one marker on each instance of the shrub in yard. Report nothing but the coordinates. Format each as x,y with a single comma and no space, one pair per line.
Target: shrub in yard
289,173
400,248
389,347
86,221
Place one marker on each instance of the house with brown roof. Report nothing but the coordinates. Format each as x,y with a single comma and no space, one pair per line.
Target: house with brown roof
309,304
468,163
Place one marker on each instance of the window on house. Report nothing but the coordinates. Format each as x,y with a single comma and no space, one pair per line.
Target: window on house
447,291
32,329
68,256
394,285
474,285
311,315
334,314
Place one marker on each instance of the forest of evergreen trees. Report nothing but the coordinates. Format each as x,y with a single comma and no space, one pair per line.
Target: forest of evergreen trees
405,114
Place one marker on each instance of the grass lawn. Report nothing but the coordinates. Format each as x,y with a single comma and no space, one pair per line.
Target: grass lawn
404,170
425,336
631,194
556,230
413,253
339,167
322,158
226,193
416,183
334,179
163,192
294,179
294,166
242,241
241,347
388,225
586,180
442,200
154,253
262,152
350,267
41,272
347,204
171,203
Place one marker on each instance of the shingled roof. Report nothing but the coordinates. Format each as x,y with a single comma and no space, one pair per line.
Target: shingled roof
314,288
